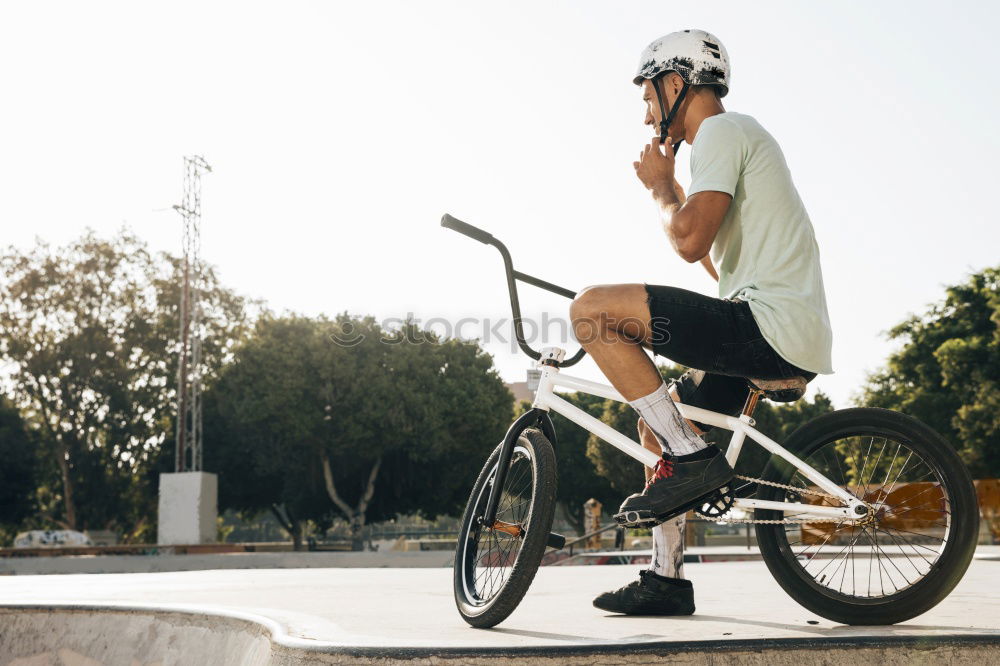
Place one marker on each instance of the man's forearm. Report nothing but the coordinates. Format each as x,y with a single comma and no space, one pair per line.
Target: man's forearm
669,204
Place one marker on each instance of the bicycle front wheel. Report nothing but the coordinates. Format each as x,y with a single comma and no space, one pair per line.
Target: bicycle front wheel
494,565
914,547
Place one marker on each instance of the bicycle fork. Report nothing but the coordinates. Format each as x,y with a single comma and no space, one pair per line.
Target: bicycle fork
532,417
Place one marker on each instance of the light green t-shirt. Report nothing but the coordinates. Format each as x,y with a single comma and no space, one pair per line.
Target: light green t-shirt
765,251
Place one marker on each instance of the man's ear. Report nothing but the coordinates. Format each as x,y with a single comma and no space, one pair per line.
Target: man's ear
676,82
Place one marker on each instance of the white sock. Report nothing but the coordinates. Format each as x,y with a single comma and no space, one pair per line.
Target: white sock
660,413
668,548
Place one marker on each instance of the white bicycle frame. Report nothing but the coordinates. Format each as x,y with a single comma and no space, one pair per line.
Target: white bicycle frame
742,427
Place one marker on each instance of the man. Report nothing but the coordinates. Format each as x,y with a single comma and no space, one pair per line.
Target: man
770,321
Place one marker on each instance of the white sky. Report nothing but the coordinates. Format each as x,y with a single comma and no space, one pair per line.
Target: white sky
340,132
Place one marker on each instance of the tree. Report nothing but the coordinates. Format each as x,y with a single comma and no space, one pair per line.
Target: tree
259,416
445,411
947,371
17,468
340,417
90,330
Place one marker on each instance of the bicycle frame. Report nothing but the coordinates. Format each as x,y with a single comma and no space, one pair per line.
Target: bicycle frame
742,428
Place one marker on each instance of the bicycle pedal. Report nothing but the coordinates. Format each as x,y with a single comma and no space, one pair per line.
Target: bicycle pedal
556,541
644,518
637,519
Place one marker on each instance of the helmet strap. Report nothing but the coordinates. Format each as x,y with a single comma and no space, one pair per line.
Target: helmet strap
667,118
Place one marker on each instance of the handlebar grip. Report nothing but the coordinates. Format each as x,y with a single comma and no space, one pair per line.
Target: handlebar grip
455,224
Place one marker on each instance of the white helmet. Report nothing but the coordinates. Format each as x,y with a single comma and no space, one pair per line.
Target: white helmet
697,56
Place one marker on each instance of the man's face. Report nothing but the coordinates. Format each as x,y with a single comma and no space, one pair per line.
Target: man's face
652,107
670,87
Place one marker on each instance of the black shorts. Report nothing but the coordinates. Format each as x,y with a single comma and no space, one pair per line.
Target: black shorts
717,338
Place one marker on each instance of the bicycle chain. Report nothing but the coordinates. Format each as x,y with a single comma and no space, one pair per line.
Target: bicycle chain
786,521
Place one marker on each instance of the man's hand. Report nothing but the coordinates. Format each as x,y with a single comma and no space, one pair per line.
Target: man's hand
706,261
655,167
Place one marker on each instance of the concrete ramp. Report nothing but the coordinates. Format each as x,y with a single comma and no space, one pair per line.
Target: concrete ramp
46,635
92,636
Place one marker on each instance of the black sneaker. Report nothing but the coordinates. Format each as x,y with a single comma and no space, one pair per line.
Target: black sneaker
677,485
652,594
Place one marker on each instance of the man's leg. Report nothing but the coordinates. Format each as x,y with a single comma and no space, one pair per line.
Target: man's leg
661,588
668,538
612,322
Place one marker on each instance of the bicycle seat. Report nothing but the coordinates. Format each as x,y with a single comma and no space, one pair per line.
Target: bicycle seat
781,390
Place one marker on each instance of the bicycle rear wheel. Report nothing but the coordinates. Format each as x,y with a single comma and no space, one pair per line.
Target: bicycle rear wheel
494,566
922,532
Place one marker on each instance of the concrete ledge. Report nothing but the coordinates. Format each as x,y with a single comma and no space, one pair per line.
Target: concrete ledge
113,634
76,564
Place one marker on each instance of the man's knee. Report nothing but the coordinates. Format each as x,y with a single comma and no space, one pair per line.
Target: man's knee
588,312
614,306
587,303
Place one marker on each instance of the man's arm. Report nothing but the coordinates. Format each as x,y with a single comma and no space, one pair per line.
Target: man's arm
691,224
706,261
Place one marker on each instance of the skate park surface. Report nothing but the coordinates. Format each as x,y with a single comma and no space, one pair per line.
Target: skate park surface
261,617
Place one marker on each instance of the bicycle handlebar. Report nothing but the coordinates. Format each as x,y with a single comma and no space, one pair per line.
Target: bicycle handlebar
463,228
487,238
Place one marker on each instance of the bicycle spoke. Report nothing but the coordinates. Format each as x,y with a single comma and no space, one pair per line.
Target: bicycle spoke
908,559
835,557
896,529
874,467
838,529
905,463
916,506
836,457
850,550
888,557
888,472
871,556
802,554
878,559
861,472
854,579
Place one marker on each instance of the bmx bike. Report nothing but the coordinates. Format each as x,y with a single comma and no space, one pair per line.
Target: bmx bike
863,516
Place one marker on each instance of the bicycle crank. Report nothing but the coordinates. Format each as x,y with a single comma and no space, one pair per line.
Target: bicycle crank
512,529
554,540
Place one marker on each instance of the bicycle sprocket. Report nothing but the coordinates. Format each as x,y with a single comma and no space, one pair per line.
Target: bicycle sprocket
717,505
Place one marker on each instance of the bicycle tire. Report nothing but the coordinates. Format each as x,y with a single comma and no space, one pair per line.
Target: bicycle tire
484,613
958,498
